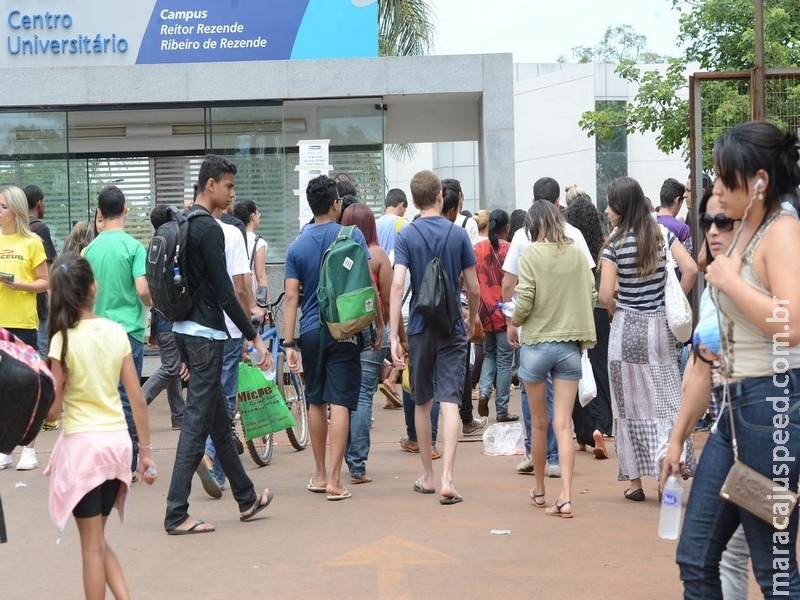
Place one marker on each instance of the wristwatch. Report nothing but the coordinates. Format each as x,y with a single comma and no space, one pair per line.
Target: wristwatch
290,344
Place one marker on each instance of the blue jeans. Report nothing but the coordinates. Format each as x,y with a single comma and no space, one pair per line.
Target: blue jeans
408,414
41,339
552,444
137,353
206,412
497,358
167,376
711,521
358,441
231,355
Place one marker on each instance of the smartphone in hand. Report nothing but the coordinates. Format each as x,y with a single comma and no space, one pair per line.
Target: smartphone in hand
7,276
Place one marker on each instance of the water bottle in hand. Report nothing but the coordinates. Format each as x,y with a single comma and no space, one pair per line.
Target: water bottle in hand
254,354
669,522
507,308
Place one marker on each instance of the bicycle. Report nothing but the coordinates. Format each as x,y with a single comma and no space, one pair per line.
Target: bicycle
292,388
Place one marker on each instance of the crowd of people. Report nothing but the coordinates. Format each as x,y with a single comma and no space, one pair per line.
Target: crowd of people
540,289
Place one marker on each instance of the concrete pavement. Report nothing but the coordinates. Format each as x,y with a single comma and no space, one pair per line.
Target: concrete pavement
384,542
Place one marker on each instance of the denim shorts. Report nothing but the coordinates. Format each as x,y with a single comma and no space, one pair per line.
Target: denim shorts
337,379
561,359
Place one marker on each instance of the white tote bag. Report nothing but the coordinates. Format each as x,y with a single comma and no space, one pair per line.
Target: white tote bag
679,312
587,388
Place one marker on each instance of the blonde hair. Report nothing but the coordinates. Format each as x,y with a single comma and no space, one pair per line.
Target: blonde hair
482,219
80,236
18,203
573,192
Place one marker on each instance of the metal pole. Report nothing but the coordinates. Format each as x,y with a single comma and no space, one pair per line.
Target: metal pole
757,97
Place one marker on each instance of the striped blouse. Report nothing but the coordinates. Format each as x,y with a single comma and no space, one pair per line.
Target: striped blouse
637,294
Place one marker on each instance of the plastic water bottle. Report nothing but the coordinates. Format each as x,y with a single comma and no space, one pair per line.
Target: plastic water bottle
507,308
669,522
177,278
254,354
270,373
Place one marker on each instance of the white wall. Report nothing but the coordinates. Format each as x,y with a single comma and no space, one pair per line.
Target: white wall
548,141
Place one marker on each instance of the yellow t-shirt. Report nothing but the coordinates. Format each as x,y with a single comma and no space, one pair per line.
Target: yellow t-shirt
19,256
95,351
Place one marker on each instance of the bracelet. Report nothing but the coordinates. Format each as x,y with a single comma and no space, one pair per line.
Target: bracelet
146,446
290,344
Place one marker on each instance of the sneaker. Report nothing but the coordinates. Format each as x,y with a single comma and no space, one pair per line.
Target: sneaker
553,470
28,460
50,426
526,466
475,427
5,461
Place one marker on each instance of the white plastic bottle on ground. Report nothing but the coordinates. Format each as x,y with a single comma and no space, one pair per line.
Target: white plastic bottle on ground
669,522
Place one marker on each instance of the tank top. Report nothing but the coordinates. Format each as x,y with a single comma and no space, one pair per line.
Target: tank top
750,353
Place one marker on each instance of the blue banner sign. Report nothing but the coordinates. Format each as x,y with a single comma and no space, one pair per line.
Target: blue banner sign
99,32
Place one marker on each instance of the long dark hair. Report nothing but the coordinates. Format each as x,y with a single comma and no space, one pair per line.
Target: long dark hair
626,198
583,215
71,280
498,220
744,149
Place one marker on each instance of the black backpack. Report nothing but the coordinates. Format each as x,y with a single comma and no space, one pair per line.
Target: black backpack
436,299
166,265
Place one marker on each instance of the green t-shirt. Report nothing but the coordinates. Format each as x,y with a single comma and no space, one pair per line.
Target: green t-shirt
117,259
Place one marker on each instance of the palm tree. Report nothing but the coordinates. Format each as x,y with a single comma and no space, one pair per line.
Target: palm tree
405,27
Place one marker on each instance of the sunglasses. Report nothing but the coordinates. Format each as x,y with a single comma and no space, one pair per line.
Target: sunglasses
722,222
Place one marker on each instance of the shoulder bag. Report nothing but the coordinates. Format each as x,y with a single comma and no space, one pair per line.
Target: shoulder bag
679,312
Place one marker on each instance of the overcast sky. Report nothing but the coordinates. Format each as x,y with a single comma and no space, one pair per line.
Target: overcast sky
542,30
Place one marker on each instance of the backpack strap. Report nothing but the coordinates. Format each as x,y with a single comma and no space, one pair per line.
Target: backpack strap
430,250
253,254
464,222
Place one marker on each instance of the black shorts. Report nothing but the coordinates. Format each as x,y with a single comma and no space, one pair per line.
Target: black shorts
99,501
340,377
438,365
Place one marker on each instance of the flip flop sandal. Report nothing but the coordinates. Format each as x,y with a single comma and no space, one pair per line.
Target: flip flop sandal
257,507
446,500
315,488
422,490
343,496
193,529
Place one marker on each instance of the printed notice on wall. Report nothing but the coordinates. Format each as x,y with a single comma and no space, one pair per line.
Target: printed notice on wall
100,32
313,162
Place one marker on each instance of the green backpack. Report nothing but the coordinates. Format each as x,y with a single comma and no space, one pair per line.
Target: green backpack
345,294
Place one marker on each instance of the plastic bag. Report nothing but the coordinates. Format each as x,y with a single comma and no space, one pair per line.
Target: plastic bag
504,439
587,387
261,405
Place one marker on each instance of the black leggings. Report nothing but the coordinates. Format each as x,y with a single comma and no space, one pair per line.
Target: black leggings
99,501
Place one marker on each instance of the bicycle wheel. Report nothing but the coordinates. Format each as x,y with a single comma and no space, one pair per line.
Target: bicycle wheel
295,397
260,450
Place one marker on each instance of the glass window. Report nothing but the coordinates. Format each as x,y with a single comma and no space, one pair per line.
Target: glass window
34,152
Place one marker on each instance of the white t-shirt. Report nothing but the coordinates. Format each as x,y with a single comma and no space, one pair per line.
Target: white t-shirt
236,262
471,227
521,241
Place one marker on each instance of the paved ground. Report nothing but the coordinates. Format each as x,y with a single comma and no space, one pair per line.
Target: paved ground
384,542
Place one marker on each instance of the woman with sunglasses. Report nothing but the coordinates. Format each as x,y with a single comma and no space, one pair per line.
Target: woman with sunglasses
755,289
734,567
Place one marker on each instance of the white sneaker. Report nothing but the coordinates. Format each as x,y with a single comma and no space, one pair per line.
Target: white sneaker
5,461
526,466
28,460
553,470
